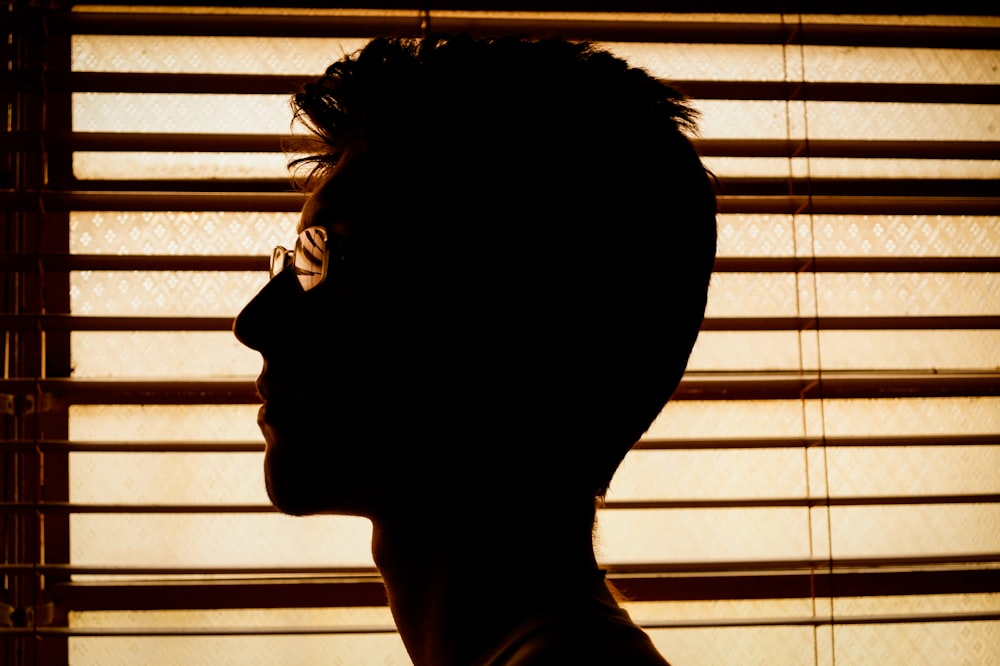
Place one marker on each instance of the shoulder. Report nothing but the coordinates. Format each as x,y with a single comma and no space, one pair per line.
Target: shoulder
590,642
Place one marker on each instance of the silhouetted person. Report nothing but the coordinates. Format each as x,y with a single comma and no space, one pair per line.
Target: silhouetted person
501,271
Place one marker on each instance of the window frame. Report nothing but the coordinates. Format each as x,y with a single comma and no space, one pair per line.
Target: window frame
42,190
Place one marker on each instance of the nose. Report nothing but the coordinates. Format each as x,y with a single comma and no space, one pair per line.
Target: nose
261,322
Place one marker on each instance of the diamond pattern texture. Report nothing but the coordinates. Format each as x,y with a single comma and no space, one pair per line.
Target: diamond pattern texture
222,539
175,423
847,120
923,644
161,355
901,65
930,644
330,650
858,235
169,232
230,55
192,166
758,351
624,536
763,62
156,112
712,535
167,478
750,473
163,293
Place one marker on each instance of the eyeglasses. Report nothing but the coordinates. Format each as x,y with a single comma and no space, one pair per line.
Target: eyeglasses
310,260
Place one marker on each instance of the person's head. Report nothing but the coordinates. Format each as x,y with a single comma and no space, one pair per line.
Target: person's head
524,237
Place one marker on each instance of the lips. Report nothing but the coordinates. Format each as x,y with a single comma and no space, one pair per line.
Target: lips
272,389
277,409
277,414
263,390
292,406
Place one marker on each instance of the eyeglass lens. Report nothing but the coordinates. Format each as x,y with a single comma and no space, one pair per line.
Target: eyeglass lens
309,259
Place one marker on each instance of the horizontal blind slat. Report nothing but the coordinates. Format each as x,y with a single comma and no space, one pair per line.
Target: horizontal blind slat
651,444
694,386
281,84
609,505
68,322
728,186
848,323
49,262
850,148
592,28
951,561
56,201
323,593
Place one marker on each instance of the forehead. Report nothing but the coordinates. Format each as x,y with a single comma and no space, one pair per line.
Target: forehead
325,207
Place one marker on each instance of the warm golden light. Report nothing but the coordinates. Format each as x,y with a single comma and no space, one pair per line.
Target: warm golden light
799,526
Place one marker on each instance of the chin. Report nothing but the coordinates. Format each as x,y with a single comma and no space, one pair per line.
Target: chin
289,502
302,485
291,484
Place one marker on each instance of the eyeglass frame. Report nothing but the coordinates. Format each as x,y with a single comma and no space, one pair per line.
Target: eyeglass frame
306,275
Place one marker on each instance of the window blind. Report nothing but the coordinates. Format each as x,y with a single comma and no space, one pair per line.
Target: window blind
822,488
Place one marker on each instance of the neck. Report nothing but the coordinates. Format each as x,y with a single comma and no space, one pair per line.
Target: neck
457,588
